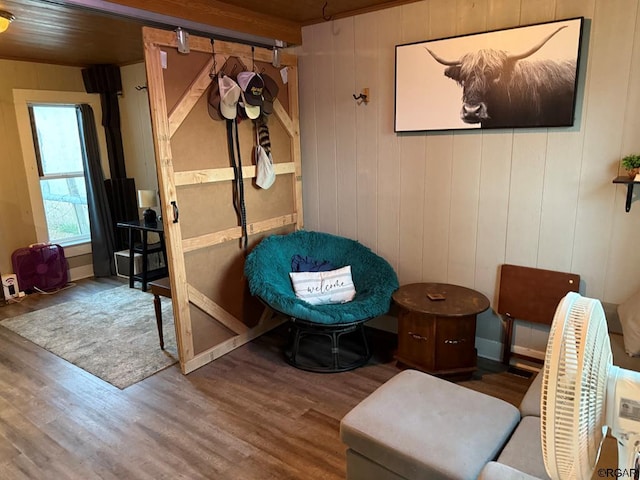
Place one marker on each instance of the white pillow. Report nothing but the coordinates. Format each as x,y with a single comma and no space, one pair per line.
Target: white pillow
319,288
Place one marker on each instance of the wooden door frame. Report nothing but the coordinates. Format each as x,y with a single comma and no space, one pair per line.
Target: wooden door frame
165,124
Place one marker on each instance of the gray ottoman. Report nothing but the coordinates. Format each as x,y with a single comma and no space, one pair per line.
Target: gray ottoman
417,426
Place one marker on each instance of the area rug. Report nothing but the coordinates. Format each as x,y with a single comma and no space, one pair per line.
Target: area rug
112,334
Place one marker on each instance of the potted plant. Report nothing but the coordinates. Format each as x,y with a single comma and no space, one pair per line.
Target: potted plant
632,164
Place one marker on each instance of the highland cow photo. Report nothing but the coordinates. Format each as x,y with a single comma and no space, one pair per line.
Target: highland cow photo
519,77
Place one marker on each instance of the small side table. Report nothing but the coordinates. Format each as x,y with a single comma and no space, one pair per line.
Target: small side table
145,249
438,336
159,288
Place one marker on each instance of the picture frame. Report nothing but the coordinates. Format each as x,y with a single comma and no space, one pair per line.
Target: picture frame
521,77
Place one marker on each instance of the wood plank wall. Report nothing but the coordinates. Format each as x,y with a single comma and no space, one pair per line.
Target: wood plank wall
135,120
451,207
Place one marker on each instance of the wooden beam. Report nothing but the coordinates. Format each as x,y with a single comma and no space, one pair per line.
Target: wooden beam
166,185
258,54
212,175
223,15
214,310
285,119
190,97
234,233
268,321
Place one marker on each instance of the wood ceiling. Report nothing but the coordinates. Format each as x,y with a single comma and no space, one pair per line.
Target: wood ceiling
52,32
306,12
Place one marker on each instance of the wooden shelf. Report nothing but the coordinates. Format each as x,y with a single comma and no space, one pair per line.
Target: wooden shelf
152,275
629,182
151,248
144,250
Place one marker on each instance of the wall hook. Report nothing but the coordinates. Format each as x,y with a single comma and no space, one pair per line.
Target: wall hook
141,87
364,96
326,17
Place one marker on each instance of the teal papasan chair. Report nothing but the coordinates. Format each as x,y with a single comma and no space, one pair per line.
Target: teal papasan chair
267,270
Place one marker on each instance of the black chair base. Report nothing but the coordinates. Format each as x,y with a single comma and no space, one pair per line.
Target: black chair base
346,349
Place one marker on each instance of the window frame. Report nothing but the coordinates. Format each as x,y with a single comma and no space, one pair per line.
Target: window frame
21,100
77,239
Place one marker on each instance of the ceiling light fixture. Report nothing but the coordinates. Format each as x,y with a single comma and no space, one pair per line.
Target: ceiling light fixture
5,19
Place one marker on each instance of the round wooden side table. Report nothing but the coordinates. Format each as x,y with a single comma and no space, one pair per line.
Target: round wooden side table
437,327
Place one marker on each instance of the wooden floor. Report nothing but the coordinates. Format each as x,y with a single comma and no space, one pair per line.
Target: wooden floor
248,415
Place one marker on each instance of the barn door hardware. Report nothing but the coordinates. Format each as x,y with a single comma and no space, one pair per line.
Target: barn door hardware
176,212
214,67
182,37
276,53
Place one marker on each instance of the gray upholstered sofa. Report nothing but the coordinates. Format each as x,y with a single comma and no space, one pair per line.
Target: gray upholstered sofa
419,427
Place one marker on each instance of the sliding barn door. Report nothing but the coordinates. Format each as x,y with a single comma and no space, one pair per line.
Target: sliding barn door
213,310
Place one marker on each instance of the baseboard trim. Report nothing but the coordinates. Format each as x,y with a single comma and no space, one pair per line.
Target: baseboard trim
489,349
528,352
385,323
78,273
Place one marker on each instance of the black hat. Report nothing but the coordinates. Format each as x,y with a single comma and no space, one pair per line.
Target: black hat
252,87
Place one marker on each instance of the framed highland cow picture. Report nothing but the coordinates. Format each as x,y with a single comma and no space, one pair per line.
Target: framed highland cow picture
518,77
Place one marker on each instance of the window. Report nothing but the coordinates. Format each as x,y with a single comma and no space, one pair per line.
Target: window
59,155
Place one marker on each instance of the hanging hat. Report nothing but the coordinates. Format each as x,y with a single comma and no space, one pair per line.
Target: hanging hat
265,174
269,94
252,87
231,68
229,96
248,111
214,100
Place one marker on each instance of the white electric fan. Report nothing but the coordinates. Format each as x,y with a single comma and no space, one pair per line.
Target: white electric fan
583,393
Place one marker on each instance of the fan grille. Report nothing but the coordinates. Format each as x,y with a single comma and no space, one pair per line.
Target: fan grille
40,266
574,381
